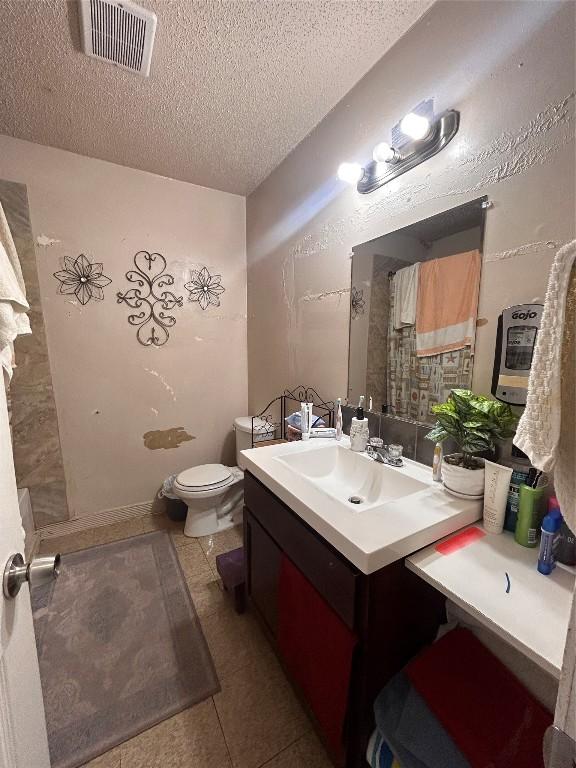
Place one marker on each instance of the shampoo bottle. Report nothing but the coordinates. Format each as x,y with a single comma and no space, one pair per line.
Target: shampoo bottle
359,432
549,541
437,463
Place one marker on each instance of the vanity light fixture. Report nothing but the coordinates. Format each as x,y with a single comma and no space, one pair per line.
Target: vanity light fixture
351,173
384,153
427,137
415,126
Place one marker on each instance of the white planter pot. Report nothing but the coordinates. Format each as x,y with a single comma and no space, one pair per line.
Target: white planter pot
462,480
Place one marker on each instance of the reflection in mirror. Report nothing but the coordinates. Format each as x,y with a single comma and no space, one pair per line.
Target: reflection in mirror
413,311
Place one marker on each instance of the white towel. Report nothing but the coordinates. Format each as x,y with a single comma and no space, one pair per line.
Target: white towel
13,304
546,430
405,287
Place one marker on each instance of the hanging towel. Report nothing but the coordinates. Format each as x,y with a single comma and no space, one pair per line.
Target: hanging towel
447,303
548,425
13,304
405,287
317,648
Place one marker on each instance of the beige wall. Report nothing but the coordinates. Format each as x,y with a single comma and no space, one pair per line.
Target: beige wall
509,68
109,389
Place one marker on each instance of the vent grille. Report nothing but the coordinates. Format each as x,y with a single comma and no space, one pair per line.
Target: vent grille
118,32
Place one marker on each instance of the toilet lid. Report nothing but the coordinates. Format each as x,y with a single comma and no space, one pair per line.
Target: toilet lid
204,476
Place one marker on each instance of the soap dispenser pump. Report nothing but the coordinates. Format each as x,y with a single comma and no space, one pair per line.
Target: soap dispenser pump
359,432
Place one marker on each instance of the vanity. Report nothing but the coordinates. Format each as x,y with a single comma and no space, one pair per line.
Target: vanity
326,574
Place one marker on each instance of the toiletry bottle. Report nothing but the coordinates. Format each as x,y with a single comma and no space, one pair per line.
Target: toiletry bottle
549,541
359,432
338,419
437,463
519,476
530,514
304,425
311,420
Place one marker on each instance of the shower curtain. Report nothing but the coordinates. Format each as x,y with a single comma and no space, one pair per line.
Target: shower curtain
415,384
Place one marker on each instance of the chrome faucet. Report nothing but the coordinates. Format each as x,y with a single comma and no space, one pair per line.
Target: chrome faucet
385,454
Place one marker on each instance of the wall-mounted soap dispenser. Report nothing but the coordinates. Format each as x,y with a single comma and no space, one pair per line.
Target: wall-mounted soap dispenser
515,341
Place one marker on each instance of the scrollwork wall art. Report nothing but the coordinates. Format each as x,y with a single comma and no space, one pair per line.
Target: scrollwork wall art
204,288
83,278
153,320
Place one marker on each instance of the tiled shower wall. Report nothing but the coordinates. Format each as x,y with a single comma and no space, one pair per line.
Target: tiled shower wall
36,441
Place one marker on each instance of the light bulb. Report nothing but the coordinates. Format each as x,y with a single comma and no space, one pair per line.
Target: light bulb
350,172
415,126
383,153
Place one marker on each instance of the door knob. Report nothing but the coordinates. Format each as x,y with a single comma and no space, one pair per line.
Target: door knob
39,570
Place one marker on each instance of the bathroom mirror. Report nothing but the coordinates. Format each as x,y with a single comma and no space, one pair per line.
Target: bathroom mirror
413,311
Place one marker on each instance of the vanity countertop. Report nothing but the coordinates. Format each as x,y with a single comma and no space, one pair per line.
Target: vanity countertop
370,536
496,580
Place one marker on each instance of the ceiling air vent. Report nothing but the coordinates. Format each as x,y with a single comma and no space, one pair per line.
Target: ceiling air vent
119,32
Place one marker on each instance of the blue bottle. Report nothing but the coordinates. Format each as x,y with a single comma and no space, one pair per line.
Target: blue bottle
549,540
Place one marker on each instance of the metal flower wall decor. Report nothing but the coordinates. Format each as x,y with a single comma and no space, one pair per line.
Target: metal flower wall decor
83,278
153,320
357,302
205,288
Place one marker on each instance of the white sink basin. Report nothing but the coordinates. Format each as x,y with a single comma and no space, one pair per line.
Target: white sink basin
351,478
402,508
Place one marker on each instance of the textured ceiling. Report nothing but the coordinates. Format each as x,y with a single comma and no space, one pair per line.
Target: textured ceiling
234,85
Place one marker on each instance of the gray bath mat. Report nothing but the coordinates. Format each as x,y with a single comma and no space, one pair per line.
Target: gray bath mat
120,646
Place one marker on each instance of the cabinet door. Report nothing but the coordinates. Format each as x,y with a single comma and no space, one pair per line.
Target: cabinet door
263,558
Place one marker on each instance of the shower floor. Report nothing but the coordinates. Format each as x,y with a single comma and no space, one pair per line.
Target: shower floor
268,729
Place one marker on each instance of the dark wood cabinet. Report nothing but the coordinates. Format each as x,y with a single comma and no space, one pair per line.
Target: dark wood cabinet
393,612
263,558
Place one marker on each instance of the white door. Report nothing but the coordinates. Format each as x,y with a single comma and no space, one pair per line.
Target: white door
23,740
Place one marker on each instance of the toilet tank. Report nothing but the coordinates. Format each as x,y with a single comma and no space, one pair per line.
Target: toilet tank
243,430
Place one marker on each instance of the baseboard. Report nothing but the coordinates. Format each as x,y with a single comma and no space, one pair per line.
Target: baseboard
96,519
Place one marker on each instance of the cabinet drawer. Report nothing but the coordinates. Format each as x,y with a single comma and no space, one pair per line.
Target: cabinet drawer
332,575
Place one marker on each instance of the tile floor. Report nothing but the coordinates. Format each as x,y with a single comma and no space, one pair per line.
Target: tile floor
255,721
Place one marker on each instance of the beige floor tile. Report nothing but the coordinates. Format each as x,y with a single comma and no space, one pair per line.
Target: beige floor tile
259,713
192,739
109,759
163,523
234,640
192,559
222,542
206,591
307,752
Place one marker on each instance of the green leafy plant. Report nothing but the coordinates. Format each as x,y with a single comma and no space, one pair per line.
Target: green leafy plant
474,422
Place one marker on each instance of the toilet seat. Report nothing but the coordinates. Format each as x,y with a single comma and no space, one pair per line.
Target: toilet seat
206,477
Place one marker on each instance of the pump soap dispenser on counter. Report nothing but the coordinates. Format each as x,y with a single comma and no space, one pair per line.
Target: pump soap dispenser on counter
359,432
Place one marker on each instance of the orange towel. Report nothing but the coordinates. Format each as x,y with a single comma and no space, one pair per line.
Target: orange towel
447,303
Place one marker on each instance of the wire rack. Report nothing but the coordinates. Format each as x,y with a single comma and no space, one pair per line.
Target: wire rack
270,424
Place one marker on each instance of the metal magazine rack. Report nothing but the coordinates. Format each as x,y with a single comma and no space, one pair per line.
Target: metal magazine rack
270,424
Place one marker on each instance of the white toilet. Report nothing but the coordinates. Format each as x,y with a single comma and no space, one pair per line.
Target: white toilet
213,493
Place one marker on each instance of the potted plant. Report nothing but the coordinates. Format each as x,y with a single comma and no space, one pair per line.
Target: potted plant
476,424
